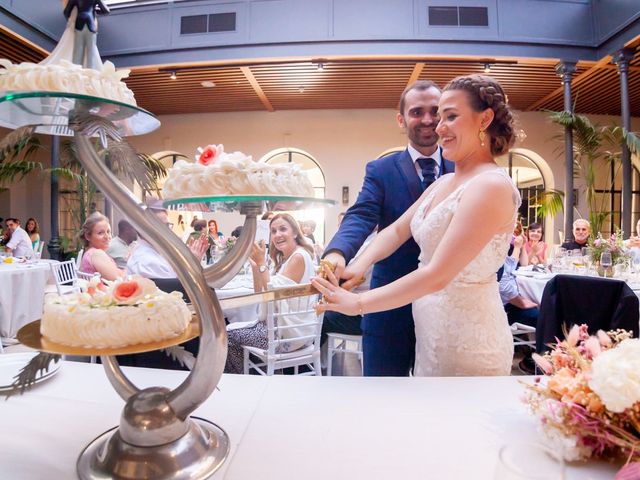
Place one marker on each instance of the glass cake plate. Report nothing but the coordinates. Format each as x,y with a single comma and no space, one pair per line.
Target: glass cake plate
230,203
30,336
51,111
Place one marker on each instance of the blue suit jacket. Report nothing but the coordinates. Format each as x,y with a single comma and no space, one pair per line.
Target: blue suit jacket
391,185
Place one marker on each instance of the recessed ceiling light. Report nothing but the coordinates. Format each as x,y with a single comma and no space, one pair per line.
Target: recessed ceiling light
207,84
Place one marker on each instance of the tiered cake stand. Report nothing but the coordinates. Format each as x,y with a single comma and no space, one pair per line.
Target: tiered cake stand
157,438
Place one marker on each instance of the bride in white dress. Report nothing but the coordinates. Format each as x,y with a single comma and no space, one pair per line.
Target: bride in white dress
463,224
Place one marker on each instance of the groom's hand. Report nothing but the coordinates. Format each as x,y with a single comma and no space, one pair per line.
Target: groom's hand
338,260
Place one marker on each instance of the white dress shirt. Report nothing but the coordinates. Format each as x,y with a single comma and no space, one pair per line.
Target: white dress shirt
147,262
119,251
20,243
415,155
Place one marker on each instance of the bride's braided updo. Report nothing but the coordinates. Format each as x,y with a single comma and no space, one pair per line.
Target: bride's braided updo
485,92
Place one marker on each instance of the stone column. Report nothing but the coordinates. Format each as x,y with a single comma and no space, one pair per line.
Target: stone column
622,58
54,243
566,71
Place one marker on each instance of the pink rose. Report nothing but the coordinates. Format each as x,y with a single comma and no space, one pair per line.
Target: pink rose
209,154
128,292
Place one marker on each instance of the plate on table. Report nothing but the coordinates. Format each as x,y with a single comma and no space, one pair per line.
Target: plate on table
12,363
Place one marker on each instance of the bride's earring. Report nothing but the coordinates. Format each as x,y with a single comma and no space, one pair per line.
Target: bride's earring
481,136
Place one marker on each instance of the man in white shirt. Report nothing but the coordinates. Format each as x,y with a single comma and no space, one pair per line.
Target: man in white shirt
121,246
20,244
147,262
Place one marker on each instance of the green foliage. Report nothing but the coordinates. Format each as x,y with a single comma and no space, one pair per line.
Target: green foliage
551,203
19,145
594,146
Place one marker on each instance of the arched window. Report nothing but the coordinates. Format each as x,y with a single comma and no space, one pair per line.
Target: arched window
311,167
530,182
524,172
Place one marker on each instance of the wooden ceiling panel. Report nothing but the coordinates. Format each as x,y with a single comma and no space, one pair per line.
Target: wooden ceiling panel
353,83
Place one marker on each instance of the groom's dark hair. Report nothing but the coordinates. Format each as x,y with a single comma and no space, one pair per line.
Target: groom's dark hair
421,86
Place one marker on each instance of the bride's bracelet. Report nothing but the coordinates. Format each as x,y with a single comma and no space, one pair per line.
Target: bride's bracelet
359,302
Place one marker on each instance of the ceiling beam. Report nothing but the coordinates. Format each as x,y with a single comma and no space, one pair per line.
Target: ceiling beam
257,88
415,75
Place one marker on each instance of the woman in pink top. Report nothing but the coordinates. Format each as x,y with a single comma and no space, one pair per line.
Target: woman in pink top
535,250
96,235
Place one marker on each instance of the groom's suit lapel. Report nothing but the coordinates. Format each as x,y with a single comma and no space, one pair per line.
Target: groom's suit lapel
407,168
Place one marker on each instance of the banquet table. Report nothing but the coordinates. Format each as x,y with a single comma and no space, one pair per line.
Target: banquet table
21,294
293,427
531,284
239,285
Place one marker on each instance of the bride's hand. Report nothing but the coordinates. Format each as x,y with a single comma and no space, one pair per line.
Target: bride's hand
336,299
353,275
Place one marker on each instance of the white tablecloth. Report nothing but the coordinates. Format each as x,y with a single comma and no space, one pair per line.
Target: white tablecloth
532,285
238,286
21,294
286,427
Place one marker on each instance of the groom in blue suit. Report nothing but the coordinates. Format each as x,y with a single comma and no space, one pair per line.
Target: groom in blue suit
391,185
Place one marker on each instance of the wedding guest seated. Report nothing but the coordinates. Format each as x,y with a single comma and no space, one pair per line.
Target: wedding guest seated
121,246
33,230
236,232
308,229
19,245
96,236
145,259
535,249
633,243
519,309
581,233
293,264
214,237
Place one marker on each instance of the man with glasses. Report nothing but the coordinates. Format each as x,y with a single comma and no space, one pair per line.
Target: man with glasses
581,233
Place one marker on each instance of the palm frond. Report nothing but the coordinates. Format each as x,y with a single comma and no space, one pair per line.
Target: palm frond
633,141
29,373
92,125
20,141
550,203
124,160
9,171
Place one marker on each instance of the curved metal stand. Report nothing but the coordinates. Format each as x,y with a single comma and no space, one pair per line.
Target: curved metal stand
156,438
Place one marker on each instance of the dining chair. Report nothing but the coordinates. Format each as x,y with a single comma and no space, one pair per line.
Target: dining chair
87,276
343,344
64,274
293,335
79,259
523,334
601,303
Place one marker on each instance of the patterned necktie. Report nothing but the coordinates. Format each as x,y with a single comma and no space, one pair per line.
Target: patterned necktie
428,166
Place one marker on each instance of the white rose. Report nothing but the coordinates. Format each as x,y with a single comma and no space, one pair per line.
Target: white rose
615,376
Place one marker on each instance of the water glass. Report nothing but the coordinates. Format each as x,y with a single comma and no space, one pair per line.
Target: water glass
528,461
606,261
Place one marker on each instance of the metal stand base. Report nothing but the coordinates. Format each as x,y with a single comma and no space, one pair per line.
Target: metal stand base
194,456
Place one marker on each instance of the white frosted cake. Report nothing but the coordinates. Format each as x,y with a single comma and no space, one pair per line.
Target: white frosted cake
126,312
216,172
66,77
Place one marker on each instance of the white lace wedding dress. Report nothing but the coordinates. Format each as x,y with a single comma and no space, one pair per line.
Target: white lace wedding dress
462,329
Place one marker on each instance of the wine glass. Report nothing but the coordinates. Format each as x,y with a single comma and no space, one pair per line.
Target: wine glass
606,261
528,461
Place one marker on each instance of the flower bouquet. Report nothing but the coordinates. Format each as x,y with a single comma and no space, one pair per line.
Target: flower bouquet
589,404
614,244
